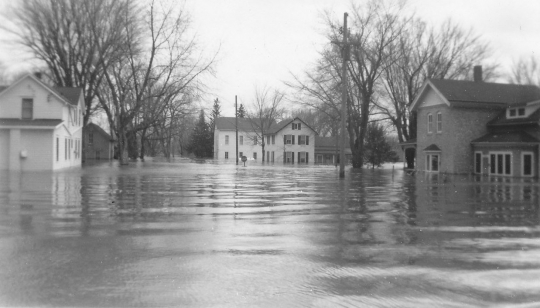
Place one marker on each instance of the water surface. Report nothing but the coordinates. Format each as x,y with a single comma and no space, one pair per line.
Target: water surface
211,234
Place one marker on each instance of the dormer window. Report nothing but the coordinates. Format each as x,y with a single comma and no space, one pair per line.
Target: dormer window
296,126
516,112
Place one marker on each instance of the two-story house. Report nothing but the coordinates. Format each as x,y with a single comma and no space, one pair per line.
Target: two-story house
291,141
477,127
40,126
225,139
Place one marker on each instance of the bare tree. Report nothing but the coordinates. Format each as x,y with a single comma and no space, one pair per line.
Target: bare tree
376,27
265,111
448,52
525,71
159,63
77,40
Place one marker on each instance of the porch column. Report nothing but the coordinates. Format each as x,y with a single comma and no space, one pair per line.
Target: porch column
14,149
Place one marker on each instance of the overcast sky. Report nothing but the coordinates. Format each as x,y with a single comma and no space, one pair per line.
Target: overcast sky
262,41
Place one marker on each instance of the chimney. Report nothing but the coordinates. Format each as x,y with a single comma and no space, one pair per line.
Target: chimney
38,75
477,73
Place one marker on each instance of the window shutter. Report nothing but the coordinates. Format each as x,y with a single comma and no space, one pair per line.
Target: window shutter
284,156
284,139
307,157
293,126
292,139
298,157
299,126
292,155
307,140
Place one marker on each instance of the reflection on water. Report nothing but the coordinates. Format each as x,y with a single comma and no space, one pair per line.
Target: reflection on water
186,233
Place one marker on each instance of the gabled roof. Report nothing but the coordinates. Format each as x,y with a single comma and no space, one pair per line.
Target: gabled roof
229,123
35,122
98,129
274,129
433,148
463,91
507,137
66,95
72,95
502,120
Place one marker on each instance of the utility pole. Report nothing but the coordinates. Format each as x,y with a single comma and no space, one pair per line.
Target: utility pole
236,124
345,55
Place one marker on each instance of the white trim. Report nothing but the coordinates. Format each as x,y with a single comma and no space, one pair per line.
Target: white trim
504,153
523,165
429,123
439,122
421,93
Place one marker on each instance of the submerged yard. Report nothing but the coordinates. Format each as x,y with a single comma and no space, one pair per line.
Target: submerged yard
207,233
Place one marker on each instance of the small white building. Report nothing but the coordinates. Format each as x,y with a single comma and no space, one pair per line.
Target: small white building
40,126
291,141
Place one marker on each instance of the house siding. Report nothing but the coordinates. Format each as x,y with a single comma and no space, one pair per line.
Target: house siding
38,142
247,148
279,148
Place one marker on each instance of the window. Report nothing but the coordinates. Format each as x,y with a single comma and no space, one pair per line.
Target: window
429,123
240,154
516,112
288,139
439,122
478,162
226,139
272,156
273,139
90,137
527,163
241,140
302,157
255,155
268,139
289,157
255,141
226,155
432,162
27,108
303,139
500,163
267,155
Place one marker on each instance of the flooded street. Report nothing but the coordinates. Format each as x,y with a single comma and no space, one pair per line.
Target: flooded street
209,234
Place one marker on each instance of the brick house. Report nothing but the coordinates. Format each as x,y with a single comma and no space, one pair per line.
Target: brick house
40,126
476,127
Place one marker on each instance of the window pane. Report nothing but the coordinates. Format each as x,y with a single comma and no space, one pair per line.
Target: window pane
512,112
478,163
527,164
500,164
492,163
521,111
435,163
508,164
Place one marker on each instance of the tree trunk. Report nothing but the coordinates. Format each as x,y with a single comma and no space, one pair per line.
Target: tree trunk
143,140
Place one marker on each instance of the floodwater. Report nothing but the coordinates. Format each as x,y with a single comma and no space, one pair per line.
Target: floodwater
209,234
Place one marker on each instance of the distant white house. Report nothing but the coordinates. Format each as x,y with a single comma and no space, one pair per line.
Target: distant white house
40,126
291,141
225,139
